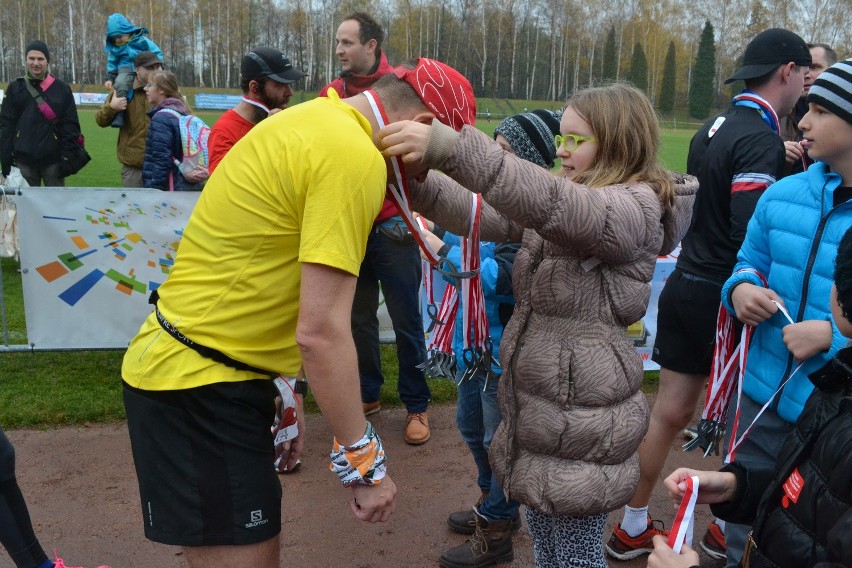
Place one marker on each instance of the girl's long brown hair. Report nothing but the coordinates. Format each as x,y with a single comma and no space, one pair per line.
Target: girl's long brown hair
625,124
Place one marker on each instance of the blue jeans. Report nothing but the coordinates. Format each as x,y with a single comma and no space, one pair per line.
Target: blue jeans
478,416
397,266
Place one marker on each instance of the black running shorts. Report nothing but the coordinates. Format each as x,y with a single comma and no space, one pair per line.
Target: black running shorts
204,460
686,323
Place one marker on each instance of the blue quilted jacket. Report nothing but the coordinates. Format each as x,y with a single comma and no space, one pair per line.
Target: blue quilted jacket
792,240
163,146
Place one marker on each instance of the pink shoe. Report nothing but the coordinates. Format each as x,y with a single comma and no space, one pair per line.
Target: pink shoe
59,563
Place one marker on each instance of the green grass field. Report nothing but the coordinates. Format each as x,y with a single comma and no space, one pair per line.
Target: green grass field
41,389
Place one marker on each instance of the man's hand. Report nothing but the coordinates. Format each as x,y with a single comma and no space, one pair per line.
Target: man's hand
793,151
291,450
753,304
713,486
807,338
374,503
405,138
108,85
118,104
665,557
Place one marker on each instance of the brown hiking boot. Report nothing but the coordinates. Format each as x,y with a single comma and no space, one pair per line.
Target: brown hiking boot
417,428
491,543
464,522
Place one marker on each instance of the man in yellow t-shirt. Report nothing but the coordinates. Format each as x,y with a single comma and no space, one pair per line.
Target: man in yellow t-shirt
262,286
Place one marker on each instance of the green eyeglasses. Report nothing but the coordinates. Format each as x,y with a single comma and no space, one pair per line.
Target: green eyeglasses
572,141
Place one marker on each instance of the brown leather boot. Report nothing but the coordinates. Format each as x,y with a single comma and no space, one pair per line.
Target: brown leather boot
417,428
491,543
464,522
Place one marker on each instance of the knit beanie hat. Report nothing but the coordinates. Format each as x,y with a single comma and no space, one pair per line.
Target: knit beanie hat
38,45
832,90
531,135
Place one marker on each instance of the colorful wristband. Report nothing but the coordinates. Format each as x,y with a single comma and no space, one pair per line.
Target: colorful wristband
362,463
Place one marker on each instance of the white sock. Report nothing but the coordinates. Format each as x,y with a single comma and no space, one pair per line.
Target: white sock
635,520
721,524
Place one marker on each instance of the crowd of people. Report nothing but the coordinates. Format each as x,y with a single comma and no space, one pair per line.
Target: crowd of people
305,229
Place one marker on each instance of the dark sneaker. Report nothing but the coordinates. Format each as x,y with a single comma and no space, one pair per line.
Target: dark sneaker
713,543
622,546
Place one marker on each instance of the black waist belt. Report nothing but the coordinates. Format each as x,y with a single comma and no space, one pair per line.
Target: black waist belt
203,350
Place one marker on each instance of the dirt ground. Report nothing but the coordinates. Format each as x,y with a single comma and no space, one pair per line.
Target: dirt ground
81,489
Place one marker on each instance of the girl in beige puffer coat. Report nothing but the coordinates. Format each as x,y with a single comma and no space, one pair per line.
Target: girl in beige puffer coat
573,414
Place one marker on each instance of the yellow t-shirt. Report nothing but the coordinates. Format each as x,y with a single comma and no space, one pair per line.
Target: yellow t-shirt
303,186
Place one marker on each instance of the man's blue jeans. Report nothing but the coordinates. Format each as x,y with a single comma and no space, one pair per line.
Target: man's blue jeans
478,416
397,266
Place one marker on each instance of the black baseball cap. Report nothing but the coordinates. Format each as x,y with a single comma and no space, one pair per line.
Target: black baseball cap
269,62
769,49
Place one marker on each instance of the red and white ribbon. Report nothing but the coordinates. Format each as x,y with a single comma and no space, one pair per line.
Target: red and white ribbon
684,522
734,442
475,330
398,193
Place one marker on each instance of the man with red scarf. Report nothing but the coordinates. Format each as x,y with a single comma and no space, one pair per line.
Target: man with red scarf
392,255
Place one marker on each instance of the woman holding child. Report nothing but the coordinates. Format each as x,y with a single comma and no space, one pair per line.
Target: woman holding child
573,414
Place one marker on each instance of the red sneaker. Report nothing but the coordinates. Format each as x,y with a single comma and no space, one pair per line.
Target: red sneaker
713,542
622,546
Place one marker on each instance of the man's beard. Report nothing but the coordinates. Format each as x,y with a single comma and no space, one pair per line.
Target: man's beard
258,114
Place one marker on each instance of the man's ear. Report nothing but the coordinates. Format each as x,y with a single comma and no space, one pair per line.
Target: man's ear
371,45
787,70
424,118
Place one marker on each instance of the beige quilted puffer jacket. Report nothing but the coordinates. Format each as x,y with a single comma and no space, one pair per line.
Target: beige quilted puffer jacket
573,414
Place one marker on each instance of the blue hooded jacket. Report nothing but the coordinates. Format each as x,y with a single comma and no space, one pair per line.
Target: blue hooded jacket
792,240
119,56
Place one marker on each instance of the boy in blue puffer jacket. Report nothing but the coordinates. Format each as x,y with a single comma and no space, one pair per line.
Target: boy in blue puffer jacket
124,41
791,241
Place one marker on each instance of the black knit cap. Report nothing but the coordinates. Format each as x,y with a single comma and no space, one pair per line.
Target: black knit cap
531,135
832,90
38,45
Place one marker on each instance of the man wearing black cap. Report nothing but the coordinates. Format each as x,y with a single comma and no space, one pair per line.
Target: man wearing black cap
735,156
266,76
38,120
132,134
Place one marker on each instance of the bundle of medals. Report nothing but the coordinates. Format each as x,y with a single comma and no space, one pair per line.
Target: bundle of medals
440,360
478,358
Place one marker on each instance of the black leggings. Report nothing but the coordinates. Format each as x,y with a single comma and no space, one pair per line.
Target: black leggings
16,530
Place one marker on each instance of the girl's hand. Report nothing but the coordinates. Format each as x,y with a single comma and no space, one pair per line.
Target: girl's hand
665,557
713,486
407,139
434,242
